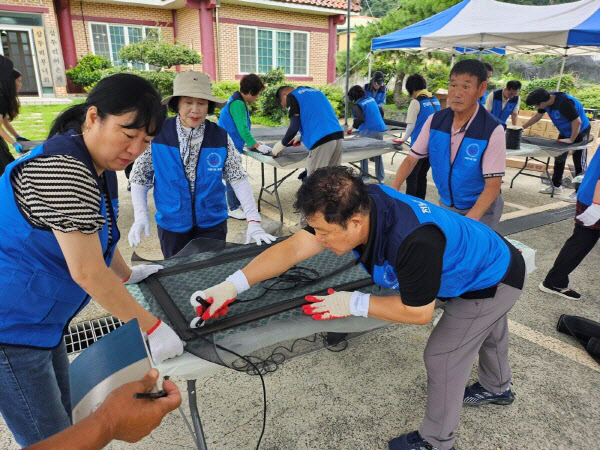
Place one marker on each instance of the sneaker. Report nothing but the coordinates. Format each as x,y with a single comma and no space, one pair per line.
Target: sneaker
571,198
411,441
477,395
237,213
565,292
548,190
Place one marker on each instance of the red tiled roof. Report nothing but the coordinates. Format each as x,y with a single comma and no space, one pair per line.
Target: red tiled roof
333,4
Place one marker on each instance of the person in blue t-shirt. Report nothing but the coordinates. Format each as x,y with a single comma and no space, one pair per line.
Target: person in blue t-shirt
369,123
423,252
567,114
377,90
585,234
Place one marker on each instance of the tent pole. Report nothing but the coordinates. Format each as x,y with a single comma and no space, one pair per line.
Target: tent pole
480,51
562,68
452,61
347,67
370,63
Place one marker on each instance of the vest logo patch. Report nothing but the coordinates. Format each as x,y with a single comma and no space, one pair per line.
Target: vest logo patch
389,276
556,114
424,207
214,161
472,152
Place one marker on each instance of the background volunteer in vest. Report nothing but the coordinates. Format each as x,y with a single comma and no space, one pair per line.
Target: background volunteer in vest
235,119
422,105
313,117
59,248
423,251
377,90
185,165
10,84
466,146
490,71
584,238
504,103
567,114
369,123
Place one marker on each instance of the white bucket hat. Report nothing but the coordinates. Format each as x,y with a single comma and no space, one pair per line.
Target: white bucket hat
193,84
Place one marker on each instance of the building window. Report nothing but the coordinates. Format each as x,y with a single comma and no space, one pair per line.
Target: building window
107,40
261,50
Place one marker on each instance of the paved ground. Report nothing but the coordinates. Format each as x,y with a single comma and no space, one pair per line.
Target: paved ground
375,389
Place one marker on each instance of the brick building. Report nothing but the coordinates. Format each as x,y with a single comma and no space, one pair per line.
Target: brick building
235,37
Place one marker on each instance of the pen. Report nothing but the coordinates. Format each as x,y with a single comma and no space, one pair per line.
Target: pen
158,394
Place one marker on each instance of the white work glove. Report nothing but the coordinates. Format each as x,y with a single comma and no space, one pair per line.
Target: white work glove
263,148
164,342
337,305
214,301
590,216
276,150
140,214
141,272
256,232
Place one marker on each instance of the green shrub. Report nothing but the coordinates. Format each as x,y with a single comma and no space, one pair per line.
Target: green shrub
275,76
267,106
437,76
335,95
159,53
162,81
589,97
88,70
224,90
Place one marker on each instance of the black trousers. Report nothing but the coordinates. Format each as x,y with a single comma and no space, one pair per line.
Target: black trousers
581,242
171,243
579,159
416,182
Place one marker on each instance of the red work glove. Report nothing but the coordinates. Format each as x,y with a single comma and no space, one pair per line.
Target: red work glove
349,131
333,306
213,302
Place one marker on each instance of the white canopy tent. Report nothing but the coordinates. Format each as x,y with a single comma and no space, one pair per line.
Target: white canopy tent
489,26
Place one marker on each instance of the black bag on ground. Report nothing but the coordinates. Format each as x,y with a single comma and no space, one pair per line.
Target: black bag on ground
586,331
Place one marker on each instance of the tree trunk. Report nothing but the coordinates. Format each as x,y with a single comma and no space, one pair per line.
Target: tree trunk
399,98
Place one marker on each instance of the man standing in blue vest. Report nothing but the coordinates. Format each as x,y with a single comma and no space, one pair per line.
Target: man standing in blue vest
466,147
567,114
422,105
504,103
490,71
424,252
313,117
377,90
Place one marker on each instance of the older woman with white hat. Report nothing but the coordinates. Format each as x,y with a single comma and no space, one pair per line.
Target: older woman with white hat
186,164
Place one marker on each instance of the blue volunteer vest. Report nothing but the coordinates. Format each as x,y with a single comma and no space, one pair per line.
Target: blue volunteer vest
560,121
38,295
176,210
378,95
373,120
475,256
585,194
497,111
317,118
461,182
483,98
427,106
226,121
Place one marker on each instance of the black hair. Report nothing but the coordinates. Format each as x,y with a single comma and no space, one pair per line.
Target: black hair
356,92
471,67
279,91
174,105
415,82
8,94
335,191
513,85
251,84
537,96
488,67
115,95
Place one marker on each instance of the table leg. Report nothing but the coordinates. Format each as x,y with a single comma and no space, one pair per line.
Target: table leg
200,441
262,184
275,185
519,172
550,179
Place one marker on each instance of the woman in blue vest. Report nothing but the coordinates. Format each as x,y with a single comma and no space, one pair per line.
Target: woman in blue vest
423,252
185,165
235,118
58,249
585,234
567,114
369,123
377,90
422,105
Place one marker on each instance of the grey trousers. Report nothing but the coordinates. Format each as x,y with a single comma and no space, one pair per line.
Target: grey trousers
467,327
327,154
491,217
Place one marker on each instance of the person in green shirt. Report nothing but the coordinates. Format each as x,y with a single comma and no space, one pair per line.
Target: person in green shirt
235,119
